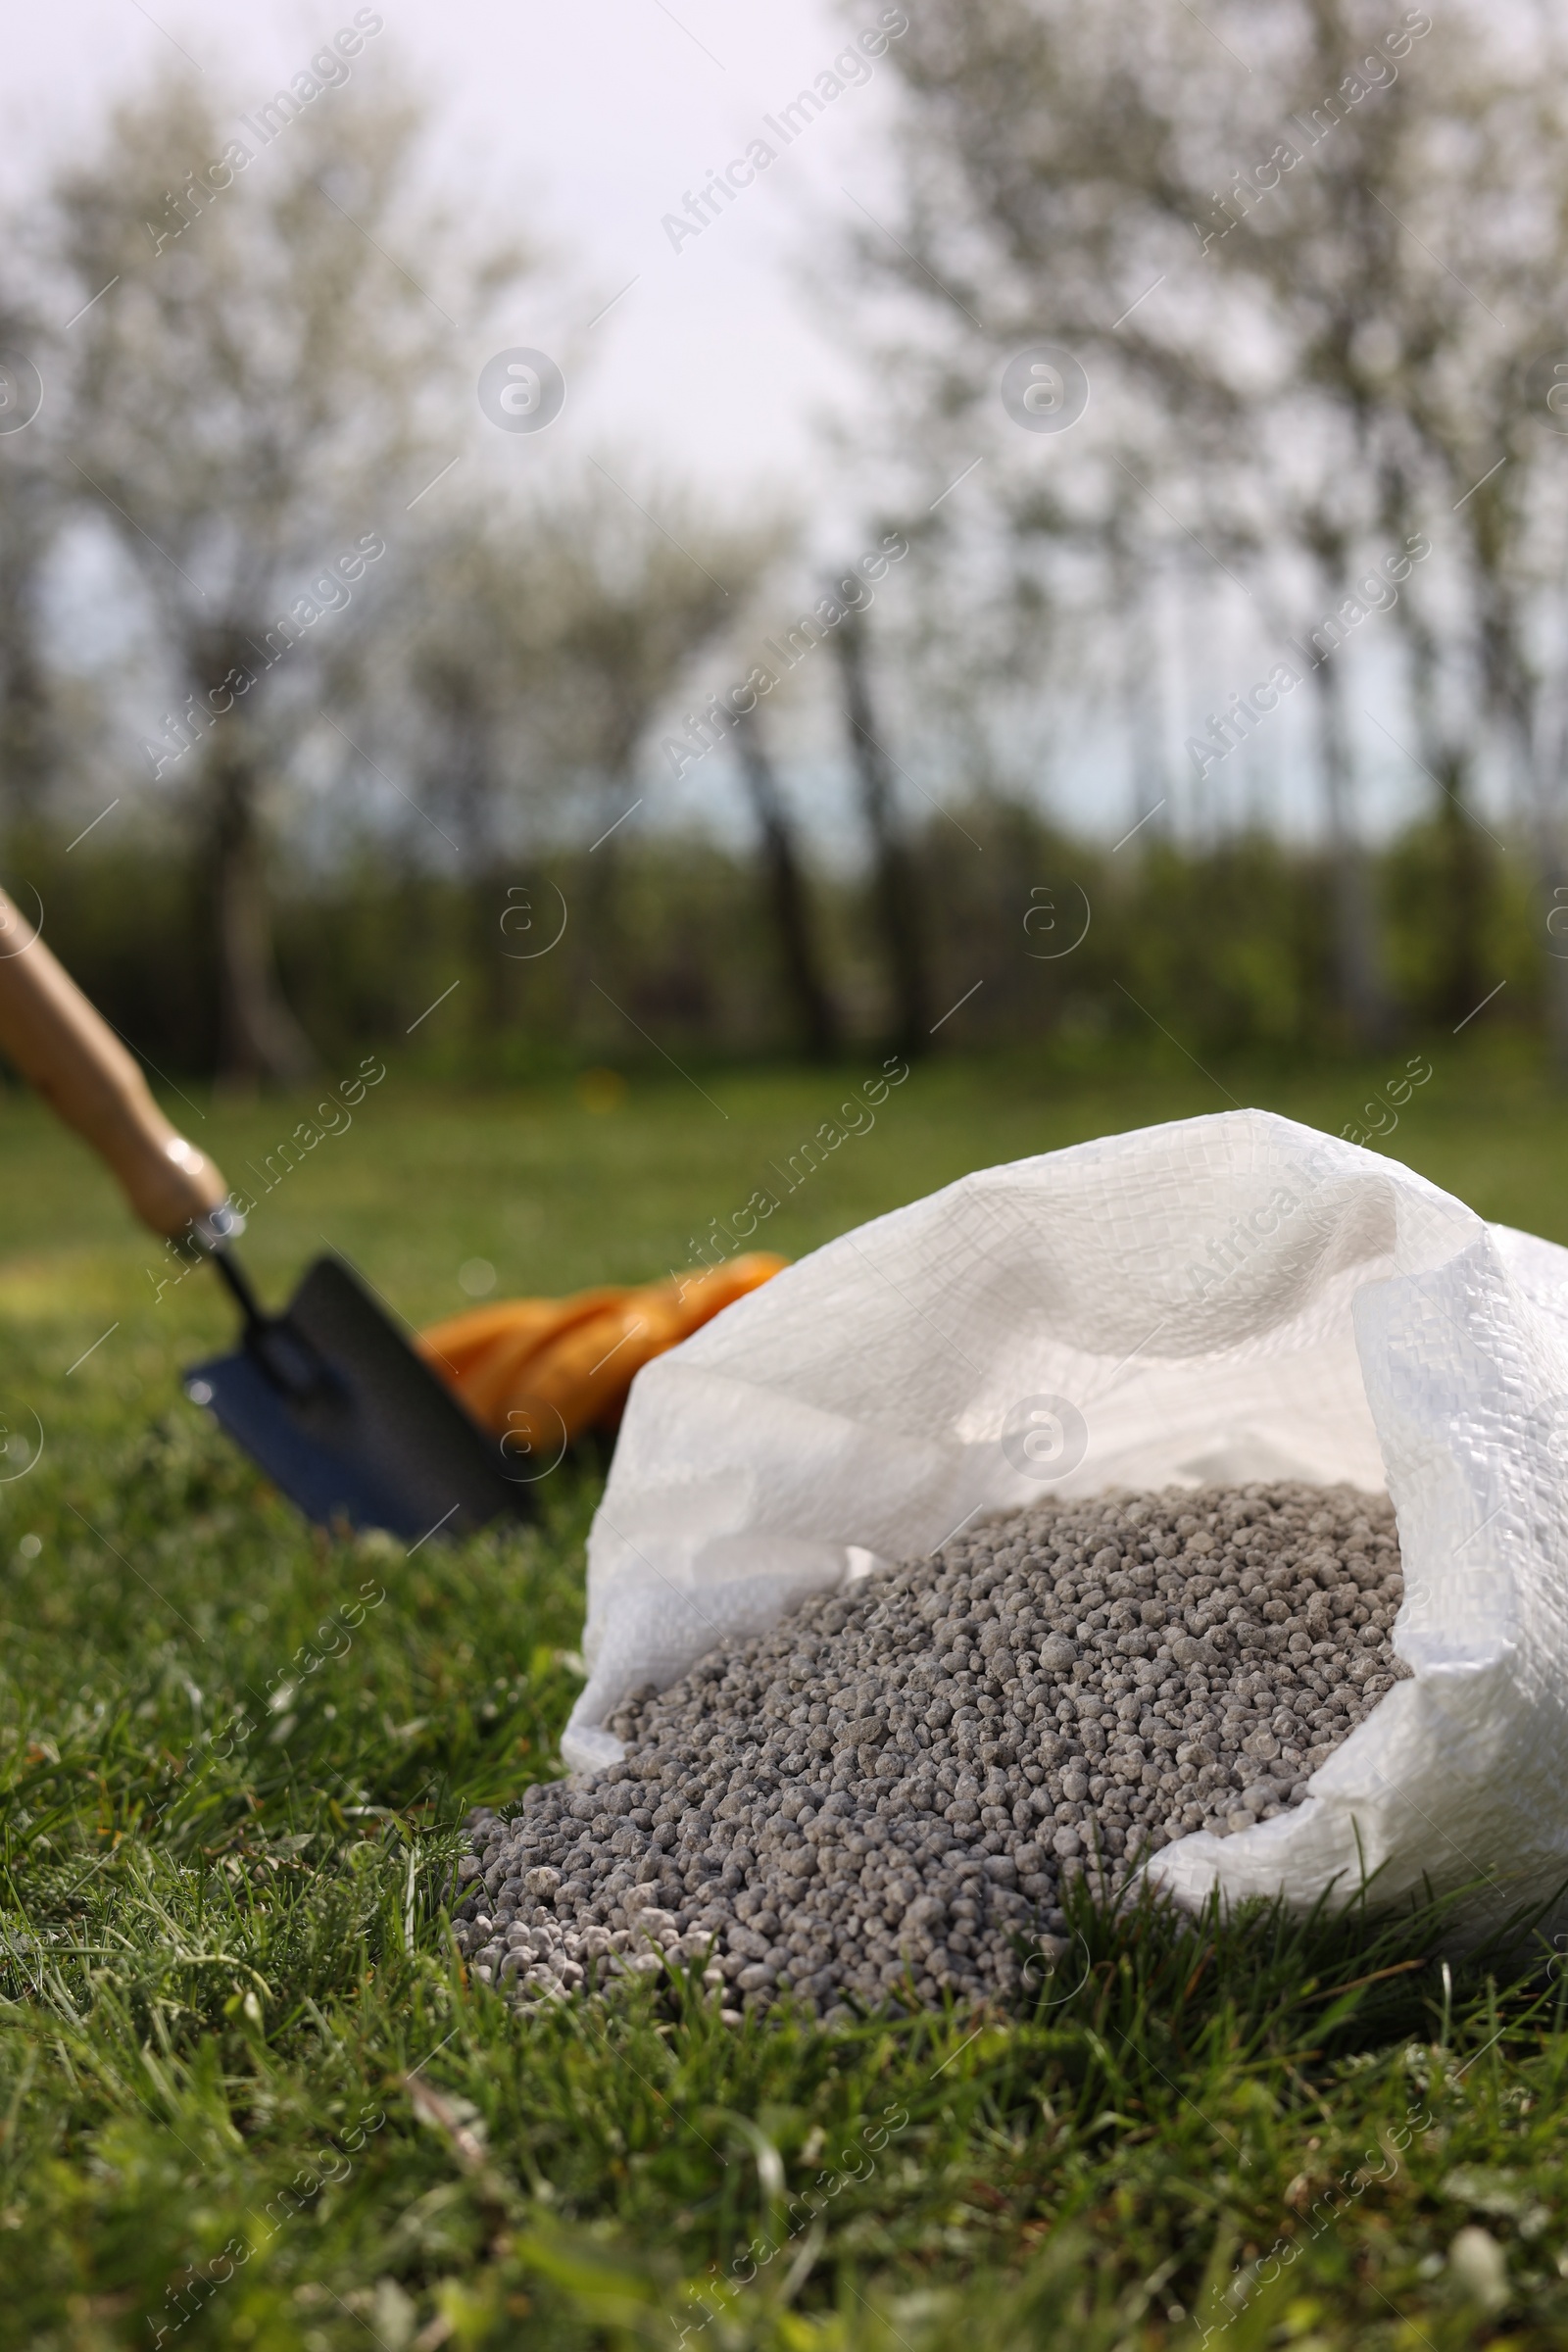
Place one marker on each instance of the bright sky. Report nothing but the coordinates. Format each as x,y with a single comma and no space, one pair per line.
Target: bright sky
726,355
592,125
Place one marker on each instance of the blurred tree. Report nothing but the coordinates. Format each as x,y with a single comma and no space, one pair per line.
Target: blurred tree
546,639
1370,321
26,709
1303,260
895,884
1478,372
29,513
634,583
1414,264
815,1014
472,649
248,410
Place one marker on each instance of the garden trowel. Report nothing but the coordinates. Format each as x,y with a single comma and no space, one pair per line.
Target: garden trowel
327,1397
338,1409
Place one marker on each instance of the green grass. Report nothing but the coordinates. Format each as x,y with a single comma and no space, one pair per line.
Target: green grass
246,2095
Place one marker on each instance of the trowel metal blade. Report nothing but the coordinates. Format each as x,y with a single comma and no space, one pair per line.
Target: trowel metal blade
340,1412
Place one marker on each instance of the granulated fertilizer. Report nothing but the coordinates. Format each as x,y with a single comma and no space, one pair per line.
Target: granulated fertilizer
882,1795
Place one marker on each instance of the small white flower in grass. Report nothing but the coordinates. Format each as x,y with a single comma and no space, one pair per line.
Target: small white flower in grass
1479,2269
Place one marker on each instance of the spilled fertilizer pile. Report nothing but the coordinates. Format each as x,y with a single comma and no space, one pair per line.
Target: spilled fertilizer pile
887,1795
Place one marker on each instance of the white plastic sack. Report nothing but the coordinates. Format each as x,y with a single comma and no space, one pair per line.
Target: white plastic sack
1231,1298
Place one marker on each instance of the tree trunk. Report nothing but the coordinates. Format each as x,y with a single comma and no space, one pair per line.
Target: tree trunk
258,1040
898,899
1359,989
591,932
1466,884
1557,979
26,746
1150,792
468,791
506,918
814,1011
1139,598
1543,767
1466,869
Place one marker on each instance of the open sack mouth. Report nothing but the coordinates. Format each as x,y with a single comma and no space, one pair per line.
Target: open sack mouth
1221,1301
887,1795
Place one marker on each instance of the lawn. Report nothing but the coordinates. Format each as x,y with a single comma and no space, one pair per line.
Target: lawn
249,2096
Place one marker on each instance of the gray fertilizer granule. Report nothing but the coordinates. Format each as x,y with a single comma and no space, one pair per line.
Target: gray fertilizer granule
881,1797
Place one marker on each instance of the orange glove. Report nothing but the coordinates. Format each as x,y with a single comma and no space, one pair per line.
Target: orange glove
576,1357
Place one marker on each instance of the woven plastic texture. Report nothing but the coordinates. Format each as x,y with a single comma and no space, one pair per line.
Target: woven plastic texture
1227,1299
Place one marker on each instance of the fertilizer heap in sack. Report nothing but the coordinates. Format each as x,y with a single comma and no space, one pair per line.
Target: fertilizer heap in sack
889,1790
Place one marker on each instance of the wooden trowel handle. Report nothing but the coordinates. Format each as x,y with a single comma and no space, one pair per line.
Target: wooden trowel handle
77,1063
